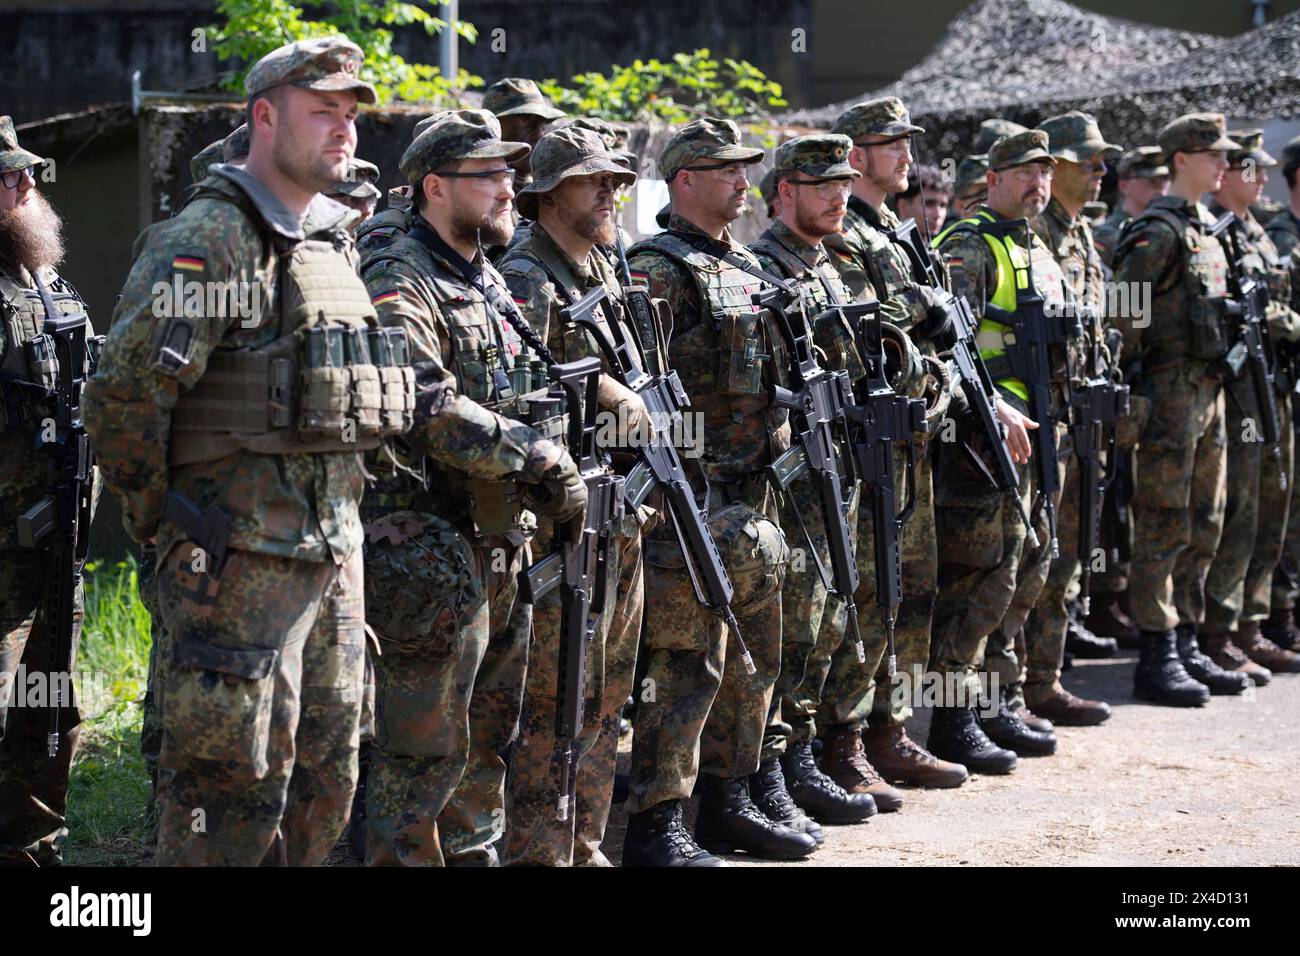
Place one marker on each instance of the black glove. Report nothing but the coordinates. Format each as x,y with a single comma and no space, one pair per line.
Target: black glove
561,495
937,324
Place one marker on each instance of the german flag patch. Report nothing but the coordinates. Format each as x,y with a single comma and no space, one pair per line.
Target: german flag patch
519,300
639,277
188,263
385,297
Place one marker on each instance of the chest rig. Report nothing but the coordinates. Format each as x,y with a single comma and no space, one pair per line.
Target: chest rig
28,365
320,375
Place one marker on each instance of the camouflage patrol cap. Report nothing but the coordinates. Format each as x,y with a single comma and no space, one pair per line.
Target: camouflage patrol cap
325,63
1195,132
457,134
992,130
359,183
1251,142
1143,162
235,146
613,137
714,140
818,155
1030,146
1076,138
1291,154
571,151
204,158
972,171
13,156
516,96
425,123
885,116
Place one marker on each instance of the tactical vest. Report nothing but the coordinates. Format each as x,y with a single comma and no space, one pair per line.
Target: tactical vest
736,328
823,290
23,314
492,368
328,378
728,360
1202,271
992,334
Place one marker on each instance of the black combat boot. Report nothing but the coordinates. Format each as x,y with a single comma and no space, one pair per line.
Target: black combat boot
1007,729
1107,617
1201,668
817,794
955,735
1083,643
729,821
356,830
767,790
1281,629
1160,676
658,837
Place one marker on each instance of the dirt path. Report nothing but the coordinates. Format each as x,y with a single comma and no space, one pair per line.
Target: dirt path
1151,786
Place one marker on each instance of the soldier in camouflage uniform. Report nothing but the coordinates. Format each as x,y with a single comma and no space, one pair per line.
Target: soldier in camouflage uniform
570,203
990,575
862,720
1239,584
1284,230
1052,627
1143,176
452,516
968,188
813,178
701,712
33,785
260,724
1179,493
357,189
524,114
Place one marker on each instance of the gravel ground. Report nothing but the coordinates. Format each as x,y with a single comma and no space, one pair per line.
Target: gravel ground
1151,786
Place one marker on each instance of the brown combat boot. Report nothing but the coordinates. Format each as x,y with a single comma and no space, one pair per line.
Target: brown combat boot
1281,629
844,760
1030,719
899,757
1061,707
1264,652
1220,649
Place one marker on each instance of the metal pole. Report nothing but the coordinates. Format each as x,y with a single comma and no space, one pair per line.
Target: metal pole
448,48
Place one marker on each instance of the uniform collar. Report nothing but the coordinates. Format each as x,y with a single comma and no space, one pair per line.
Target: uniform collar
809,255
273,212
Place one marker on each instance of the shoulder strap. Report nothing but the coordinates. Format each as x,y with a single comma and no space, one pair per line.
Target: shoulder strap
720,250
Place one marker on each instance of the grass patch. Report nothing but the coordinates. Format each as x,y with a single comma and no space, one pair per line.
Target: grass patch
109,788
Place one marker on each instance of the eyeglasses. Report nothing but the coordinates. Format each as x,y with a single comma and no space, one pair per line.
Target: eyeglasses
12,179
494,177
825,188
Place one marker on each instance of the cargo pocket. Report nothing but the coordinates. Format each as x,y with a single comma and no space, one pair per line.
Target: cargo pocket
740,358
219,702
366,399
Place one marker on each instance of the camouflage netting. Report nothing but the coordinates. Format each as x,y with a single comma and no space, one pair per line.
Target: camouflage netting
1030,59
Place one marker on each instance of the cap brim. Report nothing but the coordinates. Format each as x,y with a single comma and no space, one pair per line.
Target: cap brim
526,201
733,154
498,149
20,158
338,83
359,189
528,109
1223,143
1082,152
842,171
1261,158
1147,172
1033,156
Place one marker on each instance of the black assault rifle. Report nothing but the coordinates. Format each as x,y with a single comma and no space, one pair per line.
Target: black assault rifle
59,361
1253,351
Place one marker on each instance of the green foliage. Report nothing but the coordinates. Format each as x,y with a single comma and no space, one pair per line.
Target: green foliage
109,786
253,28
675,91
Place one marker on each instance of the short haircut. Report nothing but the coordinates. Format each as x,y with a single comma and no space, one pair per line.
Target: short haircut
276,95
